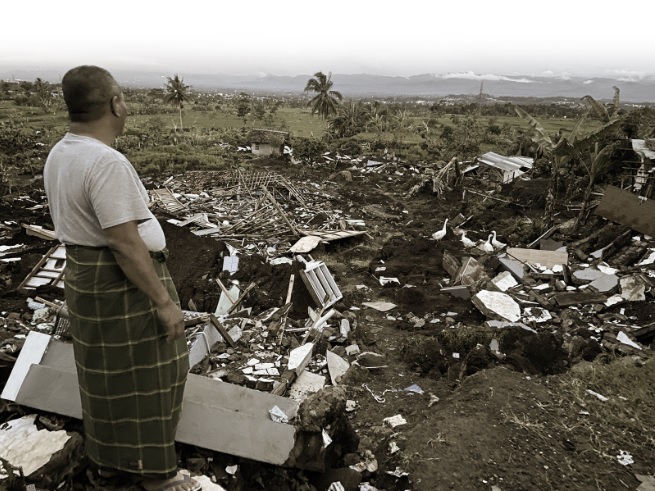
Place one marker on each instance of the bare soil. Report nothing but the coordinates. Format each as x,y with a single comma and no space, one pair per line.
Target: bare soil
478,421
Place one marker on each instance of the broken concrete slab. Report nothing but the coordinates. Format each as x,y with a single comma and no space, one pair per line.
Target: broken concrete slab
504,281
497,305
633,289
513,266
459,291
300,357
306,383
451,264
548,259
471,273
606,283
586,275
215,414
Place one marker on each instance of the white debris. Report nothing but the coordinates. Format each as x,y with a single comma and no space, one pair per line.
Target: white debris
278,415
394,421
623,338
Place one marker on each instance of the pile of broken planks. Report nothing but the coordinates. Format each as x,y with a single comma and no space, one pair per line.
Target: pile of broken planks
252,207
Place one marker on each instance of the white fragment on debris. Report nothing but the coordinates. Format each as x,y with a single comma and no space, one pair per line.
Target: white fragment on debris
351,405
326,439
384,280
625,458
381,306
336,486
414,388
232,469
623,338
24,445
648,260
599,396
613,300
394,421
393,448
398,472
278,415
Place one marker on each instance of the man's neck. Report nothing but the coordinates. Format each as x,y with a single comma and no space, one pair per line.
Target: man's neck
97,131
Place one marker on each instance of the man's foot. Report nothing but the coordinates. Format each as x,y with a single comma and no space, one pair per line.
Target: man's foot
182,482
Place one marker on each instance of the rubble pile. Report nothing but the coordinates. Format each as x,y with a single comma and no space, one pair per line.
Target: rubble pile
270,324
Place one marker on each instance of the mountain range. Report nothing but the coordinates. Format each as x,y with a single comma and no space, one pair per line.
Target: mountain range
425,86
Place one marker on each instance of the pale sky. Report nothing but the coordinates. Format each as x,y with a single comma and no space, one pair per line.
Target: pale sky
293,37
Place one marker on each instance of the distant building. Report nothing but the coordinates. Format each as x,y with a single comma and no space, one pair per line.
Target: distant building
268,142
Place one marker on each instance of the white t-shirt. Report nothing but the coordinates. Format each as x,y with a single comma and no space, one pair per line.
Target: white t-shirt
91,187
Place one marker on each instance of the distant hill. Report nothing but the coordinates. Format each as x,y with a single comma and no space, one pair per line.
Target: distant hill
427,86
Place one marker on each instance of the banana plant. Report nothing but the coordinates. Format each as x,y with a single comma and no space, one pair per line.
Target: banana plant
586,149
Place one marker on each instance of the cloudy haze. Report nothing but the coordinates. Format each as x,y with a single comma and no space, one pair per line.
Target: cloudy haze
508,37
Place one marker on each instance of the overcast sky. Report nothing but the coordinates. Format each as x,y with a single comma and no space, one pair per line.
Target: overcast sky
293,37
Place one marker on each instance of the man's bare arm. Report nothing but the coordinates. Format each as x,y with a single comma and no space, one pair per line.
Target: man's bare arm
134,259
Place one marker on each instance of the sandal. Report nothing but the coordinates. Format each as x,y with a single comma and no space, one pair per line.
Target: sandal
173,482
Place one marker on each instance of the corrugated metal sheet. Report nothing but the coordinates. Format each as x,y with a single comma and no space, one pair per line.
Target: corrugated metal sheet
506,164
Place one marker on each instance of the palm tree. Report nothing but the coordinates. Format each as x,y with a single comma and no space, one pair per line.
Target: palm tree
326,101
176,93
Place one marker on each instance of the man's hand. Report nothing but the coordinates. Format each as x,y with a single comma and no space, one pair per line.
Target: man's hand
172,318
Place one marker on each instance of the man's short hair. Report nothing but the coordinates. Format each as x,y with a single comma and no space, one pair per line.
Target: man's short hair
88,91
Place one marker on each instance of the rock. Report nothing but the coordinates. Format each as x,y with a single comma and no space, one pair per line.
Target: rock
369,359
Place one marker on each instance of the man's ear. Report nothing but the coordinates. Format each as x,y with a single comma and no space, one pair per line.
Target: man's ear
114,106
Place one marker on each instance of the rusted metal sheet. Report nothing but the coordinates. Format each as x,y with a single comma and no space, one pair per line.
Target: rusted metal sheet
629,209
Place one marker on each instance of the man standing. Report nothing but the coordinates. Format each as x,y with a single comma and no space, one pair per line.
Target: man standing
126,323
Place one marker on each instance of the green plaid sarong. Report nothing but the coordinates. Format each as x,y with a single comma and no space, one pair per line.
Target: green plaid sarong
131,379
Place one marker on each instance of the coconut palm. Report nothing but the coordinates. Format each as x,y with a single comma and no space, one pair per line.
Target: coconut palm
176,93
326,101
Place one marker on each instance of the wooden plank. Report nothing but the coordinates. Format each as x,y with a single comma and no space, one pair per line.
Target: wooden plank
218,325
32,352
628,209
330,235
566,299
